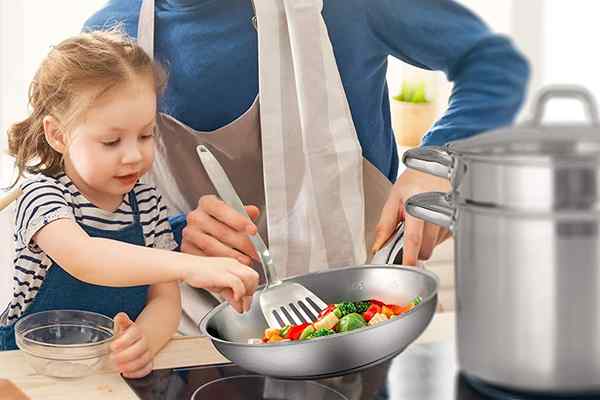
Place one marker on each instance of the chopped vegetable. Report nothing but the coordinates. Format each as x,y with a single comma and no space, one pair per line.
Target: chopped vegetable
321,332
373,309
379,303
344,309
397,310
308,331
351,322
285,330
326,311
327,322
269,333
362,306
275,338
295,331
387,311
377,318
341,317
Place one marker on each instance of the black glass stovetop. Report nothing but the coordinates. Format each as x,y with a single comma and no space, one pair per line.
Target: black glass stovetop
421,372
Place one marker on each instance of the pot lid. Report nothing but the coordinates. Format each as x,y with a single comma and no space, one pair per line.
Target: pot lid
534,140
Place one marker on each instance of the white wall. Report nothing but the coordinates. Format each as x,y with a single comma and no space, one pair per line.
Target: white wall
11,93
27,30
569,52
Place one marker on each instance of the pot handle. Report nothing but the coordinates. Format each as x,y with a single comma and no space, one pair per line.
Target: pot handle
564,92
433,160
435,207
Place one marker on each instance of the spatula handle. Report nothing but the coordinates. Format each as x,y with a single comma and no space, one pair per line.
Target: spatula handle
225,189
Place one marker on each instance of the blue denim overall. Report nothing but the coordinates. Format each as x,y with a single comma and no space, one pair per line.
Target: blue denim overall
60,290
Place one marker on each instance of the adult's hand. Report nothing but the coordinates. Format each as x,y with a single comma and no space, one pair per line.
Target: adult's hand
217,230
420,237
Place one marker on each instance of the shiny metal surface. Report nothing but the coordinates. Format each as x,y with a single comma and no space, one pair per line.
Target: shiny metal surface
529,167
338,354
434,207
392,250
528,290
282,303
565,92
528,293
225,189
527,259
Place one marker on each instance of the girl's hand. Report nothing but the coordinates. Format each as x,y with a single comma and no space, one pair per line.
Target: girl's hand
129,351
227,277
9,391
217,230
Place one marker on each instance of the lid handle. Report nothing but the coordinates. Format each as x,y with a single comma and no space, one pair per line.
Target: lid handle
565,92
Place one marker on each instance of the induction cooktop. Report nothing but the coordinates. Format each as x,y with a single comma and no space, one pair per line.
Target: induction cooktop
421,372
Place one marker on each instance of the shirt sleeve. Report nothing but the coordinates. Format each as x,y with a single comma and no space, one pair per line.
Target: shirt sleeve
490,76
163,234
41,203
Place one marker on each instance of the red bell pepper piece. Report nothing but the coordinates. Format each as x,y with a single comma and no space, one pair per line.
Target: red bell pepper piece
295,331
326,311
371,311
379,303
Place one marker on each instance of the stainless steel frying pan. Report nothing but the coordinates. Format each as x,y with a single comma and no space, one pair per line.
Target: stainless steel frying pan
338,354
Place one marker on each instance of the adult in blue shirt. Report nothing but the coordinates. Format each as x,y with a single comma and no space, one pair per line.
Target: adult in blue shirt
210,49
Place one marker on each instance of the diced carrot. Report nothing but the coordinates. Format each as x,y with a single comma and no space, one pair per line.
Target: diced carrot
397,310
275,338
387,310
272,331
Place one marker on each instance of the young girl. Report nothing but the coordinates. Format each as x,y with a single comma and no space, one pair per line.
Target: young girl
88,235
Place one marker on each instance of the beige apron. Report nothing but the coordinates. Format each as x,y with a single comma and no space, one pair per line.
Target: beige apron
311,185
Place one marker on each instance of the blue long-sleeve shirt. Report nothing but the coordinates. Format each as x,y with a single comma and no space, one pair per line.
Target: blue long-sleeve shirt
210,50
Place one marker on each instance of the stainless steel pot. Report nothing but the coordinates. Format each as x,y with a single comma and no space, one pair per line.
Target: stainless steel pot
337,354
525,214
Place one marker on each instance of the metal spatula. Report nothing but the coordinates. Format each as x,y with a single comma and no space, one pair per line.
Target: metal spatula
282,303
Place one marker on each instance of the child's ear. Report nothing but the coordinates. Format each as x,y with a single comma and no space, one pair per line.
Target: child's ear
54,134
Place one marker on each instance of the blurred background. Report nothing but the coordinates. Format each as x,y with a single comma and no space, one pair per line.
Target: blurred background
556,35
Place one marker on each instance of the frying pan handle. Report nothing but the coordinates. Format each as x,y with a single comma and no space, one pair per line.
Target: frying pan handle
392,252
434,207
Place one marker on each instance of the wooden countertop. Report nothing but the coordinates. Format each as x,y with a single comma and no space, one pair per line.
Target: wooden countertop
180,352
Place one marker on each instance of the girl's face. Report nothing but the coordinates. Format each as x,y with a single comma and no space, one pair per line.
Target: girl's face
113,145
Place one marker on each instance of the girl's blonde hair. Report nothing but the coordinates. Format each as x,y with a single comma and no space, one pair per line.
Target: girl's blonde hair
99,60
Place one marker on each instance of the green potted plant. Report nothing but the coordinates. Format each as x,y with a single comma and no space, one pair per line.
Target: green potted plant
413,113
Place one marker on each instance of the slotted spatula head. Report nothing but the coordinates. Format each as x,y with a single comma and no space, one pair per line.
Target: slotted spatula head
289,304
282,303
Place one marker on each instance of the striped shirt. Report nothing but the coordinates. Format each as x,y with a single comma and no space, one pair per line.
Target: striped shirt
46,199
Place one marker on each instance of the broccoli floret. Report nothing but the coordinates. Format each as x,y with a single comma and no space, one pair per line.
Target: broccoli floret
416,301
362,306
343,309
321,332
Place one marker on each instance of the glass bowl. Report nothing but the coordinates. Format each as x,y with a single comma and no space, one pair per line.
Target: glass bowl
65,343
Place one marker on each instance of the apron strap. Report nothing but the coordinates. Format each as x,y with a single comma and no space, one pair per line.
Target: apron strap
134,206
315,98
145,33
